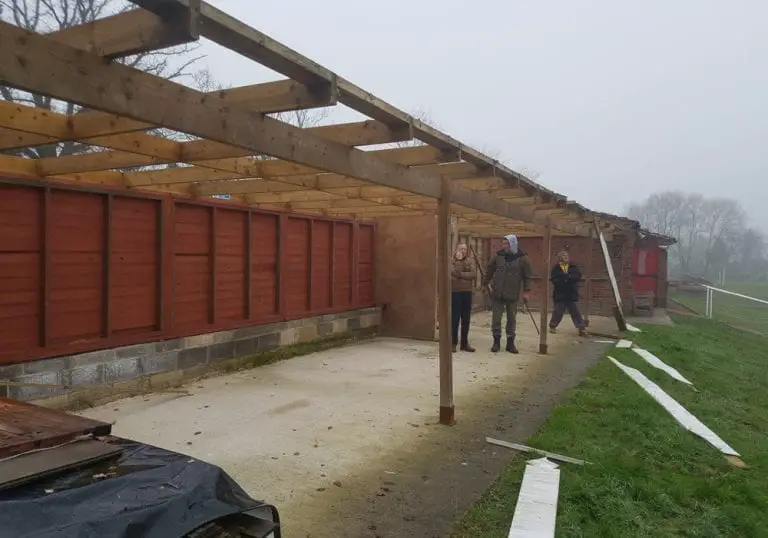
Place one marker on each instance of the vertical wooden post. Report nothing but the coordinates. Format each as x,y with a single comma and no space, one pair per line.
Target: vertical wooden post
310,262
166,261
280,267
212,267
248,265
332,300
447,411
45,263
588,276
106,287
546,263
356,263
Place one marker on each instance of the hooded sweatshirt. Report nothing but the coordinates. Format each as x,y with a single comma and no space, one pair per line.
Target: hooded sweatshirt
509,272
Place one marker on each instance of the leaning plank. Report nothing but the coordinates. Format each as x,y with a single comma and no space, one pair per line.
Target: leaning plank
656,362
678,412
536,509
524,448
33,466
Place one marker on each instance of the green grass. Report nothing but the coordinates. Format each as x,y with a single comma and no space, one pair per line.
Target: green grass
734,311
650,477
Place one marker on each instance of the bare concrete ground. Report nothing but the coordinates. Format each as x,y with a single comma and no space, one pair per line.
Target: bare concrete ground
345,442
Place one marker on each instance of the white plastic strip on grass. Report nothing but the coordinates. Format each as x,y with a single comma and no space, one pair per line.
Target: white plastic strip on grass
624,344
536,510
680,413
656,362
632,328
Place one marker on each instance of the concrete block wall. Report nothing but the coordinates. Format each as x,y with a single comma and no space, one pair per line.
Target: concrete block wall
108,366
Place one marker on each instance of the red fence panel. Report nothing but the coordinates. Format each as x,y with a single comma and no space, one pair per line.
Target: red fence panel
86,268
365,265
231,252
264,265
76,269
192,265
21,288
134,265
297,260
321,265
342,264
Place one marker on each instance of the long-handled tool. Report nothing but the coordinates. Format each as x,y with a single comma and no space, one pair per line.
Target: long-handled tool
487,288
525,306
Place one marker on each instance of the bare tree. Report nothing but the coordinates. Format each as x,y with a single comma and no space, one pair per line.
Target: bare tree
707,230
44,16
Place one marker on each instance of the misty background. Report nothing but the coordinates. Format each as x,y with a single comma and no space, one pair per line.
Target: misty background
653,109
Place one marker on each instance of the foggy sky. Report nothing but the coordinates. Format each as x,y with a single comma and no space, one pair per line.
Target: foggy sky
608,101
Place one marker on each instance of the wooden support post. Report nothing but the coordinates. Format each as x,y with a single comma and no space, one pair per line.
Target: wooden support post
106,287
447,412
588,276
281,267
248,266
212,266
45,264
310,264
546,263
332,299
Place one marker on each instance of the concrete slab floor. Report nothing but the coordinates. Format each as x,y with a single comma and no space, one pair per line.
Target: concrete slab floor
345,442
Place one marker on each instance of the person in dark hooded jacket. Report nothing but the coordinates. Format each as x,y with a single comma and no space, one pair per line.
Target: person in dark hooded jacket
508,274
565,278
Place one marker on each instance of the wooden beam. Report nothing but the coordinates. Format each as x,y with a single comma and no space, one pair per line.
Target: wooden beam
447,410
546,261
124,34
251,43
234,35
269,97
32,63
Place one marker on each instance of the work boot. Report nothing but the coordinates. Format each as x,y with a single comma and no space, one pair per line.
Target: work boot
466,347
454,348
553,330
511,346
496,344
582,332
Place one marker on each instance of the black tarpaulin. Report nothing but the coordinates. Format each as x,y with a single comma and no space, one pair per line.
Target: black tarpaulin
146,492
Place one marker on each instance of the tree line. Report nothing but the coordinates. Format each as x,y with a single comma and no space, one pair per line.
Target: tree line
713,235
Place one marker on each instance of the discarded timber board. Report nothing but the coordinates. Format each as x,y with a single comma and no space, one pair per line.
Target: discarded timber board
25,427
25,468
524,448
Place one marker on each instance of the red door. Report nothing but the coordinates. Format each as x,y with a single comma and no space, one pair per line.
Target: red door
646,274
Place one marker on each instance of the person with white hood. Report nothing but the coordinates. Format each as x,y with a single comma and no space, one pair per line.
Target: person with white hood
508,274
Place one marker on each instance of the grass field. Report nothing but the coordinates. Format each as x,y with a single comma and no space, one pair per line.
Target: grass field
732,310
650,477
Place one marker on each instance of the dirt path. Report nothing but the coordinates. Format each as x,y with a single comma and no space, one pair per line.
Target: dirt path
345,443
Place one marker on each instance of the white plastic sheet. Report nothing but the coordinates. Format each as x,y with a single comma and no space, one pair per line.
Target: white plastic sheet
678,412
536,510
656,362
624,344
632,328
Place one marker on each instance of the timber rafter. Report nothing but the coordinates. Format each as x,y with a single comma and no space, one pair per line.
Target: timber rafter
240,150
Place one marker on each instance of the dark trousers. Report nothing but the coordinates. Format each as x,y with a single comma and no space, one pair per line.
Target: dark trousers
573,310
461,311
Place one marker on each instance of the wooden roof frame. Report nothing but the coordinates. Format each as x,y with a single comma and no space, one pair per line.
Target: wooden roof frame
320,169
